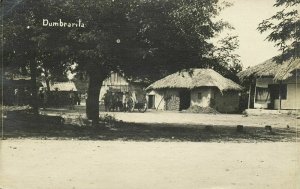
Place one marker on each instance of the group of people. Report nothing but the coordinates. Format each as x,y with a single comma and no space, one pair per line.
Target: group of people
22,96
119,101
58,99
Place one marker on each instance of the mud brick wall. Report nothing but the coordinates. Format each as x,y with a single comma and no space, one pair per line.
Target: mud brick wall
172,101
228,102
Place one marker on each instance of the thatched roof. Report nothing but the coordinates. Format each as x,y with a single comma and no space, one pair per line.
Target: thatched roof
195,78
287,68
271,68
62,86
266,69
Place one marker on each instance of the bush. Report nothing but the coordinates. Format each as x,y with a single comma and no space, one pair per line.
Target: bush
108,119
204,110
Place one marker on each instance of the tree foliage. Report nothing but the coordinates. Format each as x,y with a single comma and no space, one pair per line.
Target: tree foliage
144,39
284,28
26,40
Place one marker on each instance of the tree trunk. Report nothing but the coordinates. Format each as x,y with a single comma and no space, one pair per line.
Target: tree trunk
96,78
34,91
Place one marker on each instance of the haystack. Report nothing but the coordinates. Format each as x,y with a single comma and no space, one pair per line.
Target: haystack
195,78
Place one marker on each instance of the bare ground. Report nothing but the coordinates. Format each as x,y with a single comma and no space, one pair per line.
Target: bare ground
64,164
182,153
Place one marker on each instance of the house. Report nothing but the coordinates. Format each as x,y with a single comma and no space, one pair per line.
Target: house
60,93
196,87
63,86
16,89
274,85
118,84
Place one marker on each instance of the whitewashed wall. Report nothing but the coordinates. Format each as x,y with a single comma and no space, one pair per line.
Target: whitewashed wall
159,101
206,94
292,100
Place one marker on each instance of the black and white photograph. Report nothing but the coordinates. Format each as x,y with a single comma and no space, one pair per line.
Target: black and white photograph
144,94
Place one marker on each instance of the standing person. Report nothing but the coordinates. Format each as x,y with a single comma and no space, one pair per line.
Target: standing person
133,96
78,98
16,97
21,97
72,100
26,97
124,101
42,98
106,101
56,98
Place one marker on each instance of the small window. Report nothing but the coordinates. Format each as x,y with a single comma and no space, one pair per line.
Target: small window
199,95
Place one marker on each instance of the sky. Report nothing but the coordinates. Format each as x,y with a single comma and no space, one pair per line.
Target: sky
245,15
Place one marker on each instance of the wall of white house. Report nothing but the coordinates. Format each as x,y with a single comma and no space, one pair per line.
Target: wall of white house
292,100
263,83
159,101
167,99
114,79
225,102
201,97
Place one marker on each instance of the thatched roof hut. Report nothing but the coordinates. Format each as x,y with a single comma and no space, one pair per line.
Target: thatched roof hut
62,86
195,78
272,68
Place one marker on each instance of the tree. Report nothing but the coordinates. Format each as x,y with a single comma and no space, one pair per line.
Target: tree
284,28
147,39
284,31
30,46
142,39
226,61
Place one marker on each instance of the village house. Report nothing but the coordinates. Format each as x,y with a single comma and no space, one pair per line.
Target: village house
118,84
16,89
273,85
196,87
61,93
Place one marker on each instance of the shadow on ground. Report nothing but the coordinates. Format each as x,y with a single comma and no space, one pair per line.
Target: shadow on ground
51,127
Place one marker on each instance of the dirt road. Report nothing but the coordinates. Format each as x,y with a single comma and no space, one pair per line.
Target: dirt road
280,121
207,119
71,164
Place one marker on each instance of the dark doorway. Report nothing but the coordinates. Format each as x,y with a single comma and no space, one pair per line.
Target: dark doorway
277,90
185,99
151,101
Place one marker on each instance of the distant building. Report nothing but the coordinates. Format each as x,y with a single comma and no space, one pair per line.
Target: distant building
119,84
196,87
17,89
63,86
61,94
274,85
